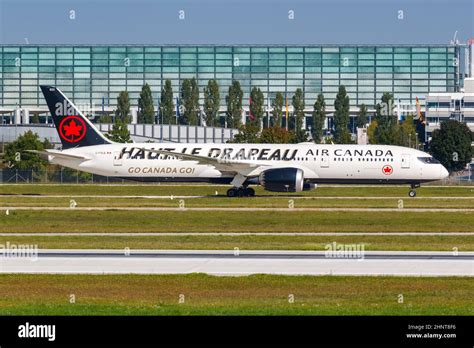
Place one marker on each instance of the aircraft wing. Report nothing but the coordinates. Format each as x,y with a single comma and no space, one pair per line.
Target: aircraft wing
222,165
58,154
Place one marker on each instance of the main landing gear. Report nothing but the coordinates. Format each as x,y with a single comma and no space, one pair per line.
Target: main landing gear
412,192
241,192
240,188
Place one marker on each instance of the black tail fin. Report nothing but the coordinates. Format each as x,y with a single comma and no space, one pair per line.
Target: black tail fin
73,127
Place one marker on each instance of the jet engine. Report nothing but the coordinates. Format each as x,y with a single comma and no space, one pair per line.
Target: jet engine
282,180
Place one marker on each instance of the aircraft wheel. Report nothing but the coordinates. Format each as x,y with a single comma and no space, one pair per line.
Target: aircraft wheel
232,192
241,192
250,192
412,193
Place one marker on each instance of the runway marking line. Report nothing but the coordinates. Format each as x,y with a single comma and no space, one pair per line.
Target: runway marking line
228,234
223,196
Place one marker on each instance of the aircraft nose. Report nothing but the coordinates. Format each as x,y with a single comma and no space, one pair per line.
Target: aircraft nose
443,172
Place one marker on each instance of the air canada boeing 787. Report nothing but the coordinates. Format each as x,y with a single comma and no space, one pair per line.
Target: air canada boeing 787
276,167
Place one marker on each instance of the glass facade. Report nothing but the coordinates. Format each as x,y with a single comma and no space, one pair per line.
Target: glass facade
95,74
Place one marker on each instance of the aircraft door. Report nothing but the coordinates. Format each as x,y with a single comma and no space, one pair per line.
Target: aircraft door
405,161
117,159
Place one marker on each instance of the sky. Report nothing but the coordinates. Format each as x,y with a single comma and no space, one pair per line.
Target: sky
235,21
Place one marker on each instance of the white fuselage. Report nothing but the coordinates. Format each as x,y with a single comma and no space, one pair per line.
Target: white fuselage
320,163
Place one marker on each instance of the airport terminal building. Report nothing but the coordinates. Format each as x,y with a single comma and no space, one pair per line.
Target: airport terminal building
95,74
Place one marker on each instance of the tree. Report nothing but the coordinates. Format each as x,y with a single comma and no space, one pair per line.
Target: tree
194,103
408,132
298,109
319,118
190,101
106,118
362,116
277,109
451,145
47,144
17,156
119,132
146,109
256,106
123,107
387,131
276,135
234,105
301,135
166,103
371,132
248,134
341,117
212,102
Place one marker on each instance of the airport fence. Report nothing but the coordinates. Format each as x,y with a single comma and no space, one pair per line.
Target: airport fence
54,176
62,175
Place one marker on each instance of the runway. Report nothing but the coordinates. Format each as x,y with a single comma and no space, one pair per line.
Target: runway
239,263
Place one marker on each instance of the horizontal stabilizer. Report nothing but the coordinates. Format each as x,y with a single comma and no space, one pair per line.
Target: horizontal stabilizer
58,154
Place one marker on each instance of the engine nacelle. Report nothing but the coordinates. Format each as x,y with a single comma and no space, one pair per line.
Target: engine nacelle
282,180
309,187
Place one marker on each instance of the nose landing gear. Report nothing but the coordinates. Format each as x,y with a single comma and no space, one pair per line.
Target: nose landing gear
412,192
241,192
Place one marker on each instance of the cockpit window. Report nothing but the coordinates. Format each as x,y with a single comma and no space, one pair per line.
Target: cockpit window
430,160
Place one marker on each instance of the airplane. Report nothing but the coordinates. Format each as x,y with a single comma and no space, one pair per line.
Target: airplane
276,167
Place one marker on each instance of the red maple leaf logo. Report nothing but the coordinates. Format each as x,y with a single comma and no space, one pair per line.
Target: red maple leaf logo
387,170
72,129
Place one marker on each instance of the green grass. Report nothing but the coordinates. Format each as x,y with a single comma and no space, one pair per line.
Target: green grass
228,221
209,190
252,295
254,242
219,201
